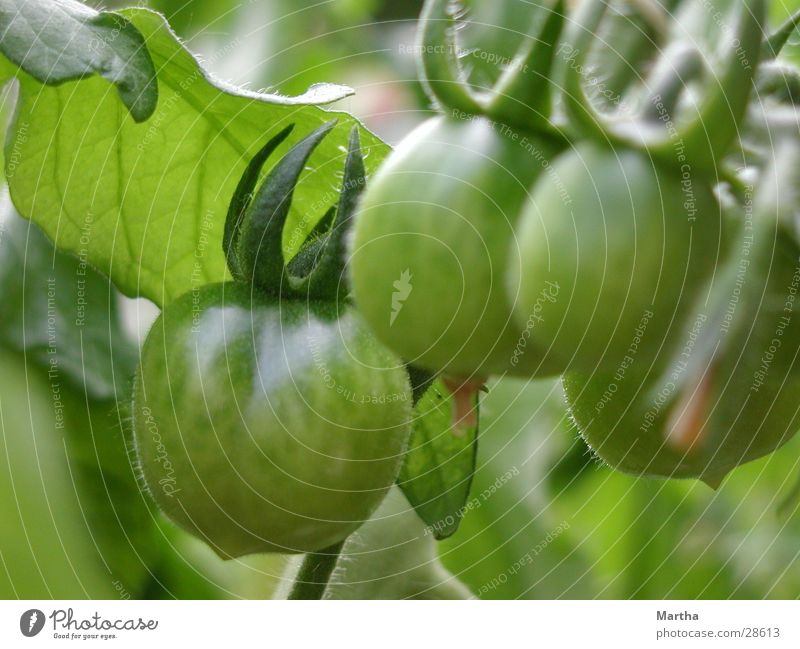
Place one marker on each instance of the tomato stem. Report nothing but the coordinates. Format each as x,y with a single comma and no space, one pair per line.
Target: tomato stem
673,72
464,391
441,72
776,40
579,107
315,573
522,96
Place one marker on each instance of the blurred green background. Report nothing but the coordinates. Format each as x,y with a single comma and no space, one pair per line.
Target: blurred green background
547,521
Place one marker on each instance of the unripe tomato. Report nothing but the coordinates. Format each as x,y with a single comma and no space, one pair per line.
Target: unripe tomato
265,426
430,243
729,394
623,240
626,427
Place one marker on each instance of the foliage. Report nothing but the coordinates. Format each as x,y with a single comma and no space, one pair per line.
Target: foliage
132,162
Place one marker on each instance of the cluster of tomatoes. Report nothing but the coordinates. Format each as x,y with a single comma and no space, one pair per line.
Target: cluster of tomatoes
650,258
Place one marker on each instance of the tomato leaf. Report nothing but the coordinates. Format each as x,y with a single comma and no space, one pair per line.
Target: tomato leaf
66,40
438,468
60,312
158,192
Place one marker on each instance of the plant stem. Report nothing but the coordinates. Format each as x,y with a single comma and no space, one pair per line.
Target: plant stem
312,580
773,45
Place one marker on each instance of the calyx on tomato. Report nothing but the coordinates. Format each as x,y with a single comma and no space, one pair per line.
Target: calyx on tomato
627,243
430,242
256,220
267,426
730,393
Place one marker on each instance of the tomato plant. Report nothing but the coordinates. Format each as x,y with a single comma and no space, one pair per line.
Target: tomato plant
603,193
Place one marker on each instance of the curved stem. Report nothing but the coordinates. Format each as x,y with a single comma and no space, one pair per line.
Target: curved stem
315,573
440,68
633,38
670,77
708,136
578,105
522,96
777,39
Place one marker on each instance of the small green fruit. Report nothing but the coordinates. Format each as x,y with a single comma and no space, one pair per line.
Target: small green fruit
431,237
266,426
623,241
729,393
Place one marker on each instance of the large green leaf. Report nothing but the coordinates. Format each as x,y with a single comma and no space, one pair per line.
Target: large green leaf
146,203
66,40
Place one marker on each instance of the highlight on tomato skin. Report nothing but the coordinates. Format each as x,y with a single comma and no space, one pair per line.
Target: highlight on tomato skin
265,425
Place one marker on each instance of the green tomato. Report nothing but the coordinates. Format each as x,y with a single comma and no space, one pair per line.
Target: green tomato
609,242
266,426
728,395
430,242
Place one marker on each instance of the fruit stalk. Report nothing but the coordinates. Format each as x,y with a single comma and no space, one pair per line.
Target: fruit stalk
315,573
